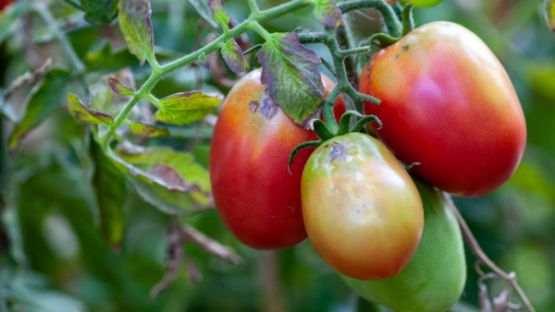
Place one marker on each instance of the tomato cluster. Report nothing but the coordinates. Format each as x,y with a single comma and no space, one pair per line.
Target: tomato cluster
447,107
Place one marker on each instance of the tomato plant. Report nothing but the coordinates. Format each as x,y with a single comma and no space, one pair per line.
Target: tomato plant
434,278
361,209
449,107
258,199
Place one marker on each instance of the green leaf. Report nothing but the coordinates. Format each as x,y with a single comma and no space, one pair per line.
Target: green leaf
186,107
218,13
111,192
233,57
136,26
327,12
42,101
104,58
100,11
146,130
291,73
168,179
84,114
549,8
119,87
10,16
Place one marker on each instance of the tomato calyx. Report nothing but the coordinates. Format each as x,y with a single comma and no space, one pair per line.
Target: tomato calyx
324,132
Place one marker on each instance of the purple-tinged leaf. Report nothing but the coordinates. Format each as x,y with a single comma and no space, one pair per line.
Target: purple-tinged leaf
186,107
146,130
290,72
233,57
86,115
327,12
43,99
118,87
170,180
136,26
203,9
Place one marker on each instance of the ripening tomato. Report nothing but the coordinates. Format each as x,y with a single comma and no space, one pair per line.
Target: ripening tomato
434,278
448,105
4,3
256,196
362,211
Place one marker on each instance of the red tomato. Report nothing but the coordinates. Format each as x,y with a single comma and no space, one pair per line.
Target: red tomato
447,104
362,211
255,195
4,3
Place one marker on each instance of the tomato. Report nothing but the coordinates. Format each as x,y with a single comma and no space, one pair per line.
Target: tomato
362,211
4,3
434,278
448,105
256,196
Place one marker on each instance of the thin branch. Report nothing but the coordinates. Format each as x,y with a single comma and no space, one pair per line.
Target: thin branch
483,258
175,256
209,245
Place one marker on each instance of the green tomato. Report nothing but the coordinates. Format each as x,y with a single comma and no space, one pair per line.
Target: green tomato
434,278
423,3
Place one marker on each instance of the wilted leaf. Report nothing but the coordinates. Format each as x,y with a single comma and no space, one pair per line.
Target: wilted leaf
327,12
100,11
147,130
550,13
111,192
168,179
136,26
84,114
44,98
203,9
9,17
118,87
103,98
186,107
291,73
233,57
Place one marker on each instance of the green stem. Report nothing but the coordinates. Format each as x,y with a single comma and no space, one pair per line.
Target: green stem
253,6
45,14
394,26
159,72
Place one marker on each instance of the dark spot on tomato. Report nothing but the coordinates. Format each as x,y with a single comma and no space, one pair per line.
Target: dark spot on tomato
405,48
253,106
395,57
337,151
269,108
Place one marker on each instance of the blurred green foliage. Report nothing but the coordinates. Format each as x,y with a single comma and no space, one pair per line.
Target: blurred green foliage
57,253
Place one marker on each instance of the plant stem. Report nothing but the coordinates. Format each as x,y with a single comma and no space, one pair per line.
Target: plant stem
481,255
394,26
159,72
45,14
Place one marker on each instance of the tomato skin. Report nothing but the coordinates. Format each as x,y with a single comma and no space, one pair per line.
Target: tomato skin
362,211
4,3
434,278
257,198
448,104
